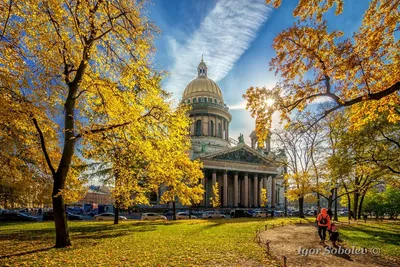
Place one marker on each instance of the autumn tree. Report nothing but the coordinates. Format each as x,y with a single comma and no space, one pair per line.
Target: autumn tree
85,65
360,72
300,150
150,159
215,199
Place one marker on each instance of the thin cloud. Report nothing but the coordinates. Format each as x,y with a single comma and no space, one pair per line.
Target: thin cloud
223,36
239,106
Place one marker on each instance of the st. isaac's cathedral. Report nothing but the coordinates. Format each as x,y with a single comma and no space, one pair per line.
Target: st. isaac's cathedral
240,170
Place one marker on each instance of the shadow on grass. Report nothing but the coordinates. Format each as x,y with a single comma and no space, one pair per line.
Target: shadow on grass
81,233
25,253
387,235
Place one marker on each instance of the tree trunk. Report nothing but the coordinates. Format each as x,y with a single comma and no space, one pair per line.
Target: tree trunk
360,206
348,206
301,209
116,214
60,218
173,211
336,200
330,199
355,205
285,200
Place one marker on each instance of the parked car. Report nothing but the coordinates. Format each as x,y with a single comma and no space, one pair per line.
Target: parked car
74,217
184,216
279,213
238,213
17,217
152,217
49,216
260,214
343,213
108,216
213,215
93,212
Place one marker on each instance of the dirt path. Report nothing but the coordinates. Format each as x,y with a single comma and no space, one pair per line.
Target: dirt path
294,240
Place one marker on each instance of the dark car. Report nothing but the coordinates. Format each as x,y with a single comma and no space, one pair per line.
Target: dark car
74,217
240,213
49,216
17,217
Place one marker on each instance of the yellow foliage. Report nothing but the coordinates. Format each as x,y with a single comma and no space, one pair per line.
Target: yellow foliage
360,72
215,199
264,198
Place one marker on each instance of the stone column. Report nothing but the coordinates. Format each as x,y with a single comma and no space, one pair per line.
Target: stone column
255,194
273,186
227,130
260,187
265,183
225,182
216,127
209,125
246,190
235,189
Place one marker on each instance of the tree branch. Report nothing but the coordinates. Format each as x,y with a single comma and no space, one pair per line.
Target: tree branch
110,127
389,139
8,17
43,144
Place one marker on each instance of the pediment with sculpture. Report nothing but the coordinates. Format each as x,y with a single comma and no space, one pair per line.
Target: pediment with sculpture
238,155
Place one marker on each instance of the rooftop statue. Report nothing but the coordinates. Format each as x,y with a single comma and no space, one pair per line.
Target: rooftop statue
241,139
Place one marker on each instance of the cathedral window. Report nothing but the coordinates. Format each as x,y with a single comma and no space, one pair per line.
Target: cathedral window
212,129
194,100
219,130
198,127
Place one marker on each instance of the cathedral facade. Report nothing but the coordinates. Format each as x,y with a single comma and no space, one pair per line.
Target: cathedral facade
240,170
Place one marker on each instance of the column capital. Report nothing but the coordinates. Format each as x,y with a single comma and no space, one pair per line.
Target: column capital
236,173
214,171
225,171
256,175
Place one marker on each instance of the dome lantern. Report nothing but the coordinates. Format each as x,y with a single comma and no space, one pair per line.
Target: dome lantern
203,87
202,68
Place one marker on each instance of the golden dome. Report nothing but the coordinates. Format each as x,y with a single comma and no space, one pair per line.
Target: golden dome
202,86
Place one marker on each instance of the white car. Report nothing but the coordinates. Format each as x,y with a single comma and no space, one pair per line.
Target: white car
184,216
108,216
260,214
153,217
213,215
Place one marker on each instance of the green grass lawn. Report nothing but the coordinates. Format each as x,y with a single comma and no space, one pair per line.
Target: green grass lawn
385,236
226,242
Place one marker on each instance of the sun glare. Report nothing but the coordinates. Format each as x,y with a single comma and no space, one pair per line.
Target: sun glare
270,102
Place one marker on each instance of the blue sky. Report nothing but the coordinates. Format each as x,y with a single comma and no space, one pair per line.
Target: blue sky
236,39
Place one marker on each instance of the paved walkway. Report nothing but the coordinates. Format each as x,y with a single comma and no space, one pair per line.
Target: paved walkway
294,241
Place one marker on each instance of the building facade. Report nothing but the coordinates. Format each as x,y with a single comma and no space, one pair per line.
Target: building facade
240,170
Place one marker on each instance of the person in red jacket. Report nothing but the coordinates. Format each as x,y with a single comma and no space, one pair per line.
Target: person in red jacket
324,222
